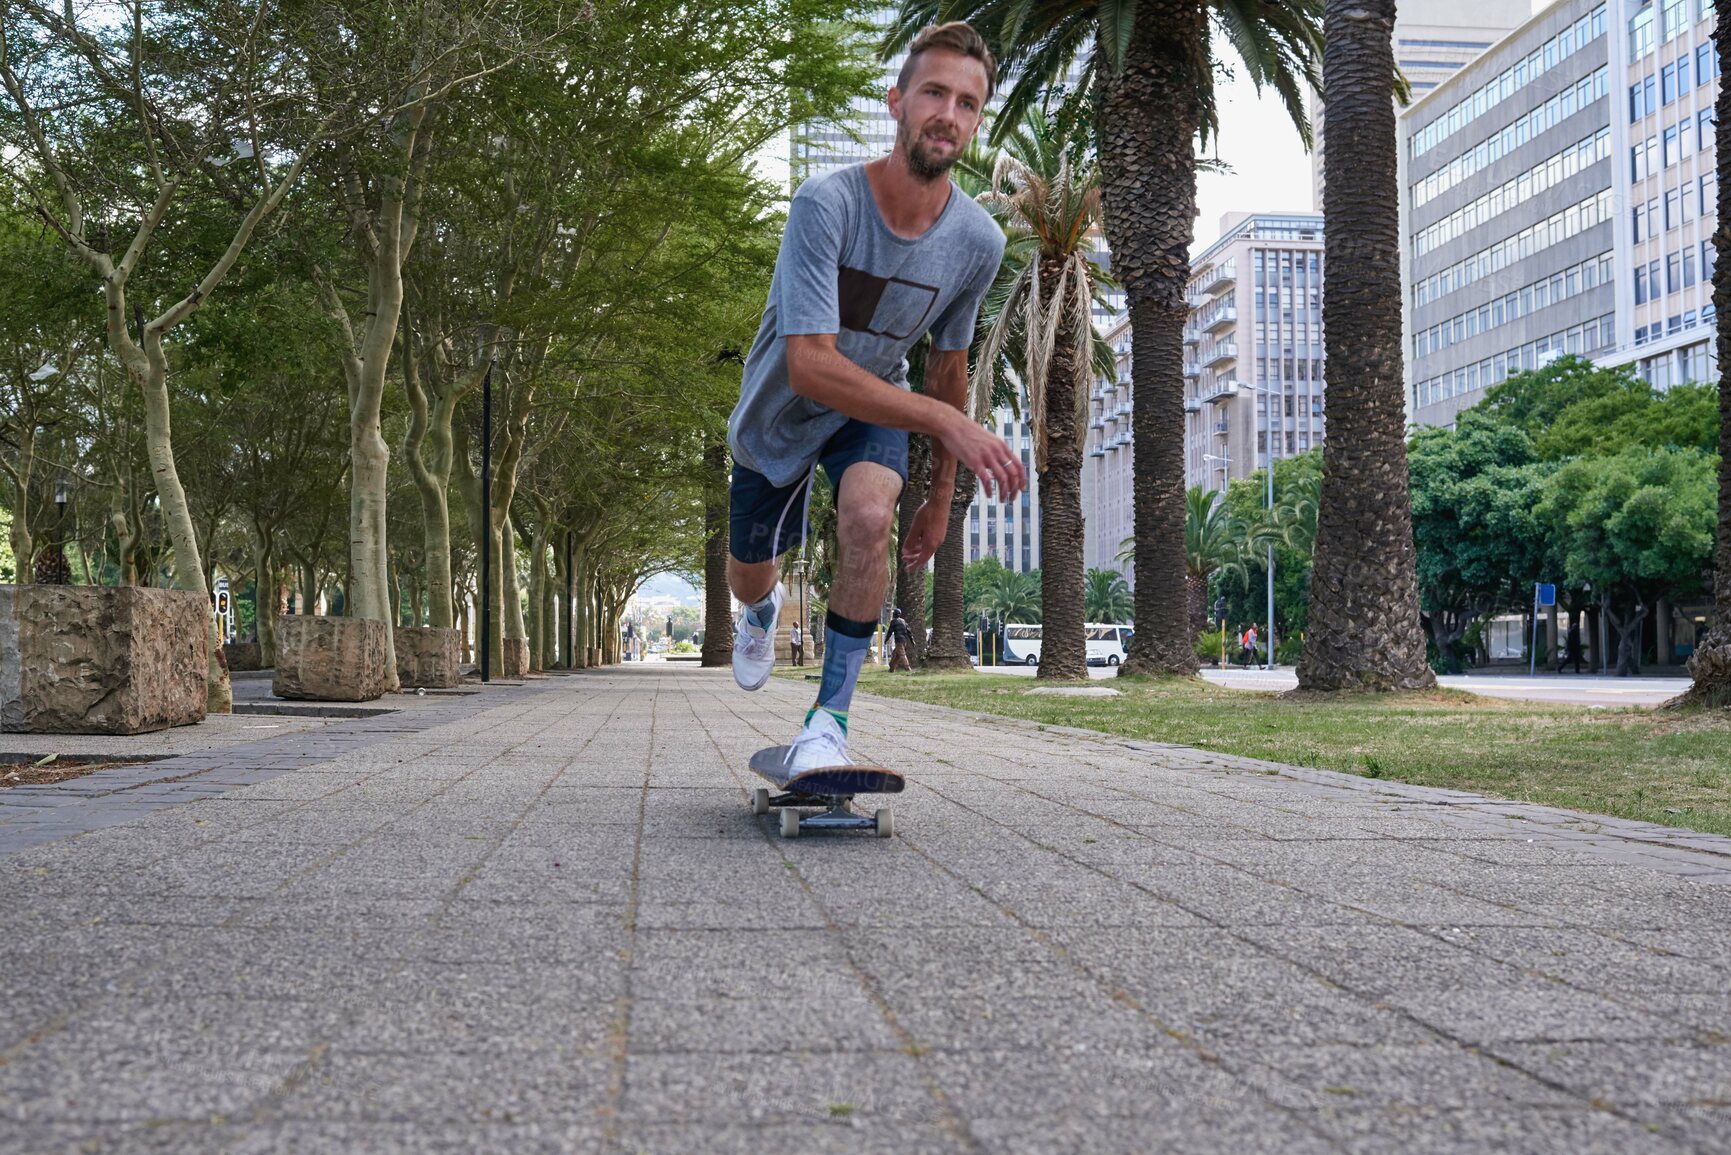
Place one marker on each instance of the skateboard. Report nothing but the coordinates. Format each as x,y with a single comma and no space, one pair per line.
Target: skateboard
831,787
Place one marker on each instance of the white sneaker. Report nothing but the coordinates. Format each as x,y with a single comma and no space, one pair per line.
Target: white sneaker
821,744
754,648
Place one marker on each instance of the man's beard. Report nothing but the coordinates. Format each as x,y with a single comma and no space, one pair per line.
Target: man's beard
925,166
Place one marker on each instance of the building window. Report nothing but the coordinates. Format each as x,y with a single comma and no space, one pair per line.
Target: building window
1640,34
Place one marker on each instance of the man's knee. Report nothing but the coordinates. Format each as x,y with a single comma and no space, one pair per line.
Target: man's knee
866,512
866,524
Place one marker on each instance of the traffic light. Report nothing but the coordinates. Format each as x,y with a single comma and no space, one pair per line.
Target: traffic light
222,603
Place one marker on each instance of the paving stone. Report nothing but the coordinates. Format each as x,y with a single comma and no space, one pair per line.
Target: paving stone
542,918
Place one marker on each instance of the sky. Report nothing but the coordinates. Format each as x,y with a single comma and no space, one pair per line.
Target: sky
1269,168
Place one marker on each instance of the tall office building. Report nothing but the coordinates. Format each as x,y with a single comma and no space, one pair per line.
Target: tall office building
1433,39
1559,197
1663,149
1255,320
1253,373
1508,207
1008,530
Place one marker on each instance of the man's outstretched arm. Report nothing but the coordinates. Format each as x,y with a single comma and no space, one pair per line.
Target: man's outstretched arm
816,369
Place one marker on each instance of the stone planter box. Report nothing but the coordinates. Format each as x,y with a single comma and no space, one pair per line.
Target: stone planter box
330,659
101,659
242,656
429,657
515,659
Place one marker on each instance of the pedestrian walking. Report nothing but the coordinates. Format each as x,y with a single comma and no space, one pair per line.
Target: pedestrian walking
873,258
901,643
796,643
1247,646
1572,648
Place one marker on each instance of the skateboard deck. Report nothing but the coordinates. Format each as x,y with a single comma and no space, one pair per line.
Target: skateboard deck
827,786
828,781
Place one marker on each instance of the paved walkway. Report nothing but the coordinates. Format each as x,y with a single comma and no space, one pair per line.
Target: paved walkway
541,920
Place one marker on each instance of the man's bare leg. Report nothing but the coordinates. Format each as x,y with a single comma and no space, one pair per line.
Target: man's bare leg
865,514
751,581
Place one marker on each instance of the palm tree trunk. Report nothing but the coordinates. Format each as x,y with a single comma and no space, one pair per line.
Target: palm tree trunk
1147,117
1063,582
949,649
1196,594
1364,631
911,585
1710,665
717,599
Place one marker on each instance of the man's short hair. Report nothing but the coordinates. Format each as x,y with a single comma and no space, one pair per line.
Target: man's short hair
955,36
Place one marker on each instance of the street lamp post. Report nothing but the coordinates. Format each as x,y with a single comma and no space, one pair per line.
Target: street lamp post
1269,432
487,518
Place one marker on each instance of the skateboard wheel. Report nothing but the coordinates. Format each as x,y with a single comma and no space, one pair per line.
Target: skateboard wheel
790,823
883,823
760,801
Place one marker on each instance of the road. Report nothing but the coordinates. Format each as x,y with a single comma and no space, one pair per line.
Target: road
1563,689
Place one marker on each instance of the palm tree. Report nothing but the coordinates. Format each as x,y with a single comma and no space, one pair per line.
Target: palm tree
1214,542
1364,629
1108,598
1044,190
1012,596
1148,82
1710,665
947,649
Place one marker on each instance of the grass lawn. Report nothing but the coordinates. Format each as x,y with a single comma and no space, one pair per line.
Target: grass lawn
1628,762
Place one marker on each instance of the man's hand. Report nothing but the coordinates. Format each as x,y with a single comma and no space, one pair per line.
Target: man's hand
925,534
996,465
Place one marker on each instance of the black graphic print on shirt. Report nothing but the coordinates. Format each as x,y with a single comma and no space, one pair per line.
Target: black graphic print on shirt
883,306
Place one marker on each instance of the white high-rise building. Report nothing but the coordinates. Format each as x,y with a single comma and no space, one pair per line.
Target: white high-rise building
1433,39
1559,196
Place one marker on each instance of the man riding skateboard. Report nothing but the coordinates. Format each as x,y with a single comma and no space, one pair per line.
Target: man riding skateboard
874,257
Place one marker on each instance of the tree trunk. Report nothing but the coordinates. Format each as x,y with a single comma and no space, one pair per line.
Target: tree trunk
432,486
23,543
1196,599
538,597
152,379
1063,583
949,649
264,596
510,589
717,598
1364,631
1710,664
1147,118
911,584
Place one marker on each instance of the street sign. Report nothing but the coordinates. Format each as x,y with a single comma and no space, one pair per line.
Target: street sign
1547,595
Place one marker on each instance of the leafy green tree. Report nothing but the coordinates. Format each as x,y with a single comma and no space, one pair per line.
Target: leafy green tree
1147,83
1479,545
1108,598
1638,526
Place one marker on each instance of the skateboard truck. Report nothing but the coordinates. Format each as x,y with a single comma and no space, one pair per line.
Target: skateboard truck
830,787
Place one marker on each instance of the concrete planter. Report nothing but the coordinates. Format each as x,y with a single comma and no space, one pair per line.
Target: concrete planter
101,659
515,658
242,656
429,657
330,659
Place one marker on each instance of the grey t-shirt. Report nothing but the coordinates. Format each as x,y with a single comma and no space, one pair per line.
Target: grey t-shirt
841,270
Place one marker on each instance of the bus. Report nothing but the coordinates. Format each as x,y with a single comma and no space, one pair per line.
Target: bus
1106,643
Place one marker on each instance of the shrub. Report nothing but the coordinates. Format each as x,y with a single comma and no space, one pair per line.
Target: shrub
1208,646
1288,650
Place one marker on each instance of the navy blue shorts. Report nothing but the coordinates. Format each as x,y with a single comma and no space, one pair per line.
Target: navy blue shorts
755,505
